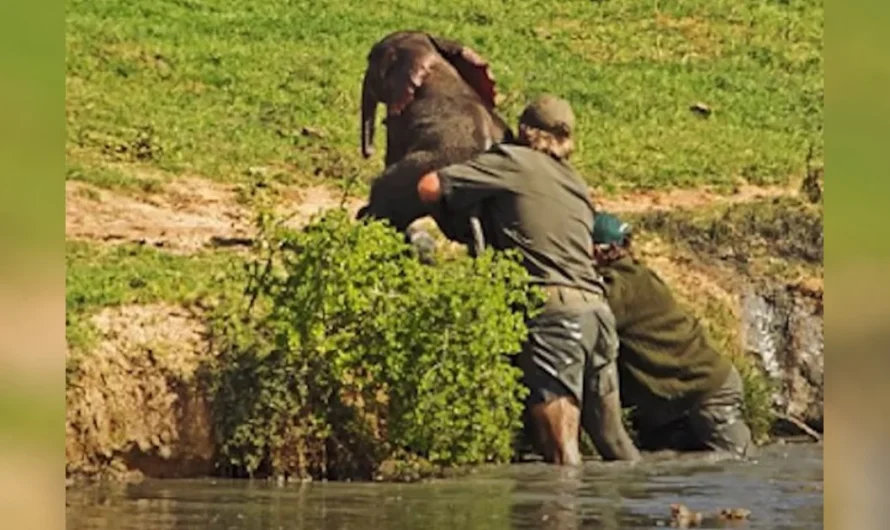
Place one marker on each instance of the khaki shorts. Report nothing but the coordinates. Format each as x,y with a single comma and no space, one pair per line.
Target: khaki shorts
568,347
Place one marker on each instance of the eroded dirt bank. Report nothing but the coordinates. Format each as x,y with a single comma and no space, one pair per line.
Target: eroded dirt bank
183,216
135,402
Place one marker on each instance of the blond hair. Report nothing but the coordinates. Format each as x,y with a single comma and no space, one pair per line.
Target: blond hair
558,146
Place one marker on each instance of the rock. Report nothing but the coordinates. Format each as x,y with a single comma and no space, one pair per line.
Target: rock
782,330
683,517
701,109
734,514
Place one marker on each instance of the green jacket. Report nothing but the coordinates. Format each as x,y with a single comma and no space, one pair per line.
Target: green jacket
664,354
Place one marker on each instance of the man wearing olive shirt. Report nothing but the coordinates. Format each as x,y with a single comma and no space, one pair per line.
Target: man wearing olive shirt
530,199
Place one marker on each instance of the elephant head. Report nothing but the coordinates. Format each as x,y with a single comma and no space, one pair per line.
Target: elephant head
400,64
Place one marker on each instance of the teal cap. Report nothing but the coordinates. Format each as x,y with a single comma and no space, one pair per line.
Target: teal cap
609,230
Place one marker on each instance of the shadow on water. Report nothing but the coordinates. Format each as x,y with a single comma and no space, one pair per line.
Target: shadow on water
782,488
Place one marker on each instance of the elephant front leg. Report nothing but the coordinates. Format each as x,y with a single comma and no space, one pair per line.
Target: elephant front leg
394,198
462,227
477,235
394,193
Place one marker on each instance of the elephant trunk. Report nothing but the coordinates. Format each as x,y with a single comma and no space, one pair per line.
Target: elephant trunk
369,115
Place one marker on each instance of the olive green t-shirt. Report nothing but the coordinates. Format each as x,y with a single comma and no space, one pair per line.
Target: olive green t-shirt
664,353
532,202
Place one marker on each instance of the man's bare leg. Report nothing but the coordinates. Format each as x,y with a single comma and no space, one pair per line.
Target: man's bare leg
556,424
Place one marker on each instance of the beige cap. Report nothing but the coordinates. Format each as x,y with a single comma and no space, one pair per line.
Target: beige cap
551,114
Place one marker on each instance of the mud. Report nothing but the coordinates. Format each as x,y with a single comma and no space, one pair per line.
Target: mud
785,228
134,404
184,215
762,262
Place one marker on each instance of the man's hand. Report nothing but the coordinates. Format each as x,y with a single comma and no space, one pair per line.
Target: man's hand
429,188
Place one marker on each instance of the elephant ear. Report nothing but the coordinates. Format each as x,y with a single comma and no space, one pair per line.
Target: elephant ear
408,72
471,67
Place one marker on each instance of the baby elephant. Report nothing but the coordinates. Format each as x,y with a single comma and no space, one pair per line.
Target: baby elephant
439,97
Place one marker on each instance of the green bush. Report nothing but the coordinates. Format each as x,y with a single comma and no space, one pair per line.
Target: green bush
347,352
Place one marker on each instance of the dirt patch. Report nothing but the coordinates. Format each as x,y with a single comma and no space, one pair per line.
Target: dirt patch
187,214
184,216
134,404
100,215
687,199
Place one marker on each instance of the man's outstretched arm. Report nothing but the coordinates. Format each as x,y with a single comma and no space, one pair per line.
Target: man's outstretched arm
429,188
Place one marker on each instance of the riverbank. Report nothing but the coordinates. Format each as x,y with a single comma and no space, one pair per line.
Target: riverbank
145,265
692,117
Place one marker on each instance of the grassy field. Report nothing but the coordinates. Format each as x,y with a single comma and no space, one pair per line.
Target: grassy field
217,87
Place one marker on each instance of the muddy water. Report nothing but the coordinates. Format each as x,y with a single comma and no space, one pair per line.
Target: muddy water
782,488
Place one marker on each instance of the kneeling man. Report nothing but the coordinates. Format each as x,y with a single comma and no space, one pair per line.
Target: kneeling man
685,395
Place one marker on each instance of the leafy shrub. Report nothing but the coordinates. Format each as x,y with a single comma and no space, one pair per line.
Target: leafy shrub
346,351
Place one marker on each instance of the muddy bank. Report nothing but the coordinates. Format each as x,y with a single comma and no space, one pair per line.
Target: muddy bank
134,403
782,230
766,257
137,406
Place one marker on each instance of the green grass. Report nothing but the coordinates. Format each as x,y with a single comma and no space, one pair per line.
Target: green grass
100,276
111,178
216,87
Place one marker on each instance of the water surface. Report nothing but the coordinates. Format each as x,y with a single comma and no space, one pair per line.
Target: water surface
782,488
